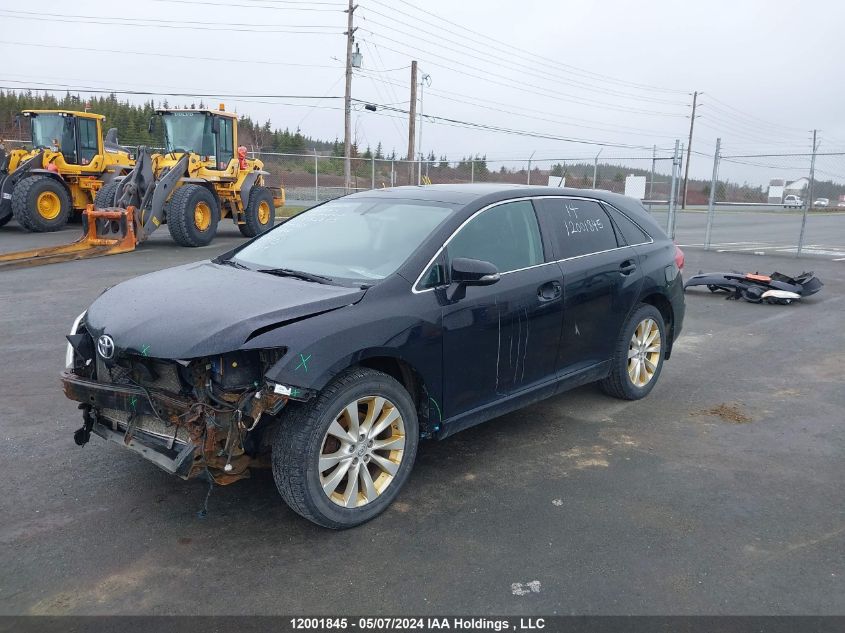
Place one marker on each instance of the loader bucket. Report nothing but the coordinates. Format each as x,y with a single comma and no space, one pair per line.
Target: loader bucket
105,232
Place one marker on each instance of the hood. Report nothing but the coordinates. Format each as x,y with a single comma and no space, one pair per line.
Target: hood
203,309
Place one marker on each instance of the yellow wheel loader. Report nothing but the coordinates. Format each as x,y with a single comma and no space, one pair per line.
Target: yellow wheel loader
68,164
201,177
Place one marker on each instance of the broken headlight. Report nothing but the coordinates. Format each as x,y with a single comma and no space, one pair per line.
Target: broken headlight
73,330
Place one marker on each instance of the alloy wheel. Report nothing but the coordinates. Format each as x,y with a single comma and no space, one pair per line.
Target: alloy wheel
644,352
361,451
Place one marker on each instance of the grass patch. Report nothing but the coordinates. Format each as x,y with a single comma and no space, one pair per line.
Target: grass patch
288,212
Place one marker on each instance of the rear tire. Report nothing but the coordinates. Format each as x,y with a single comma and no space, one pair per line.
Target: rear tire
41,204
308,456
259,214
192,216
638,358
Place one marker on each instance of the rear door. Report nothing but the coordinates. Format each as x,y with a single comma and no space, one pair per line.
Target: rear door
600,275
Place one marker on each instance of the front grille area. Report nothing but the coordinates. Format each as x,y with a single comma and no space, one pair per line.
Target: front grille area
147,423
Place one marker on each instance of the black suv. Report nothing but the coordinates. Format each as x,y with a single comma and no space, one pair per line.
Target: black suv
329,345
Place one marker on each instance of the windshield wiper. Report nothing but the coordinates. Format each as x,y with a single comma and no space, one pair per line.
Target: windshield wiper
231,262
299,274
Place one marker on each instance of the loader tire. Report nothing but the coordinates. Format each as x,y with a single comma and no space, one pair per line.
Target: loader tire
41,204
192,216
260,213
105,196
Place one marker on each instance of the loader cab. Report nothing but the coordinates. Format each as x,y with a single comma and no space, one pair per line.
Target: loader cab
76,136
209,134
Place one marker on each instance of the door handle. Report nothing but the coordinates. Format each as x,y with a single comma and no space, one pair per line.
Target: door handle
549,291
627,267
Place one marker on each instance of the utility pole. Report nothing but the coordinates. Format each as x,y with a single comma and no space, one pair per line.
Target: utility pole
809,199
347,116
689,148
412,120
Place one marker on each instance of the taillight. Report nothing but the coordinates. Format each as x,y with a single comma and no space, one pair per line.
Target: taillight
679,258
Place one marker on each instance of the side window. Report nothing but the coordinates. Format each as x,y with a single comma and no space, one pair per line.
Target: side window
88,147
506,235
631,233
226,150
580,227
68,140
435,275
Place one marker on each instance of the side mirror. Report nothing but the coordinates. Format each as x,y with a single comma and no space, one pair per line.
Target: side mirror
470,272
215,125
151,125
474,272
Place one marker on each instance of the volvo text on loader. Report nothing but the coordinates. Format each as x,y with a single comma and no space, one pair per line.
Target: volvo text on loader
68,164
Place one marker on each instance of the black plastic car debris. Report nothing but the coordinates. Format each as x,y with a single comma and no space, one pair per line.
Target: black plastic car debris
776,288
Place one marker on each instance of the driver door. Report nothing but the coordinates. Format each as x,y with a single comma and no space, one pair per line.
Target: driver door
502,338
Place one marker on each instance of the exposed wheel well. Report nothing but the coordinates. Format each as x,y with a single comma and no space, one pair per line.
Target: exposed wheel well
663,304
409,378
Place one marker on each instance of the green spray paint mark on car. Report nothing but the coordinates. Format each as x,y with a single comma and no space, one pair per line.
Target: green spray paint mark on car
303,362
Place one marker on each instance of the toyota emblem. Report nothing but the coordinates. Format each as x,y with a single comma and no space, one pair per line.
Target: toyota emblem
105,346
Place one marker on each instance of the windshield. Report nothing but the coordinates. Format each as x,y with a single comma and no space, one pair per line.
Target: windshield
190,132
350,239
52,129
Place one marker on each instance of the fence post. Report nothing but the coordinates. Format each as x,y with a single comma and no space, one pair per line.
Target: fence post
809,200
711,205
472,170
670,218
373,172
316,177
651,182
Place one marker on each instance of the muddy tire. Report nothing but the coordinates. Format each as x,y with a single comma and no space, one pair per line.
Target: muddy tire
105,196
260,214
41,204
339,471
192,216
638,357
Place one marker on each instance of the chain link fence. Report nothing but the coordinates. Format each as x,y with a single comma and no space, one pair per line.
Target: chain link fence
772,203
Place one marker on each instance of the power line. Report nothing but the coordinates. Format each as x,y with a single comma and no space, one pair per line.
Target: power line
248,6
488,56
557,64
526,88
174,24
496,128
92,89
170,55
475,101
753,117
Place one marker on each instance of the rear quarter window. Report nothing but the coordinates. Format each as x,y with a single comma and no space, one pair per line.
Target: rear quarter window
628,230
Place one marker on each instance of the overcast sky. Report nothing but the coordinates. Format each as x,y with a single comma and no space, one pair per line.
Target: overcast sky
611,71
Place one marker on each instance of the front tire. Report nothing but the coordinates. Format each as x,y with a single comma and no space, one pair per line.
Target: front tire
259,214
105,196
193,215
341,459
41,204
638,357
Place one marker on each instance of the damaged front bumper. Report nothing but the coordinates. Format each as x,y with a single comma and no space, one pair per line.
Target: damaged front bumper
176,432
173,452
